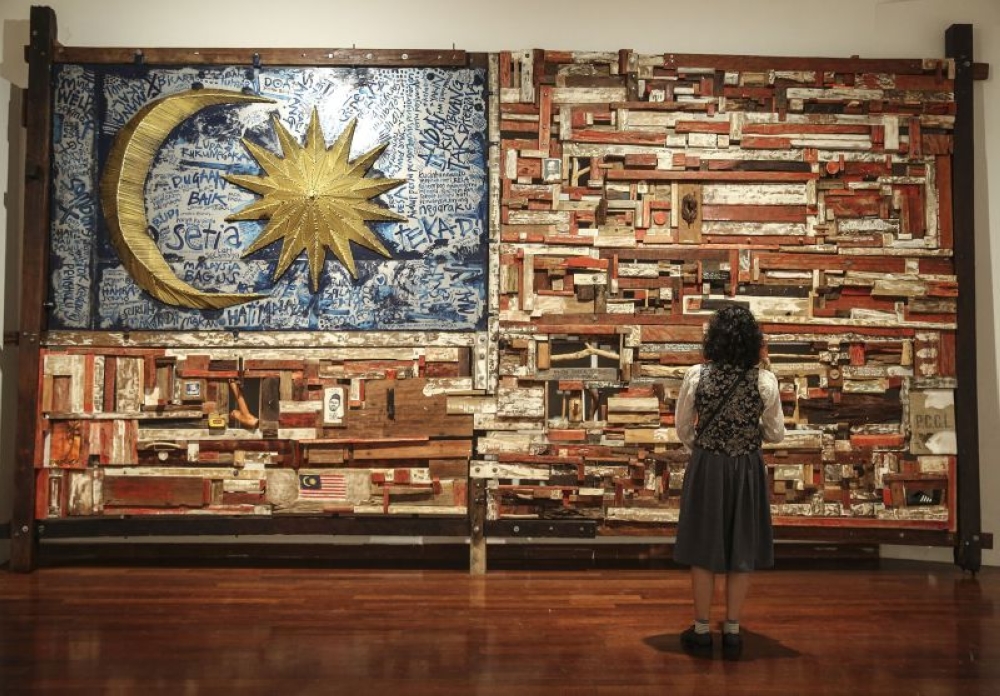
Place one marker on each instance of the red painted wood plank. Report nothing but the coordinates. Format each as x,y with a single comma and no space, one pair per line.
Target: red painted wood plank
544,117
763,142
154,491
936,266
946,228
110,375
896,331
631,137
860,204
504,64
720,127
667,175
810,128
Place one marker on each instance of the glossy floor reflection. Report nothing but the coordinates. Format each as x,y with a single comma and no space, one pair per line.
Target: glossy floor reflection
906,628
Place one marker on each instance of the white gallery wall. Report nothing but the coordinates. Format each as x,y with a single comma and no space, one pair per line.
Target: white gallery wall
838,28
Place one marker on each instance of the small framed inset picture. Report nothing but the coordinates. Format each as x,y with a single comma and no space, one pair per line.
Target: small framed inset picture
552,170
192,390
334,405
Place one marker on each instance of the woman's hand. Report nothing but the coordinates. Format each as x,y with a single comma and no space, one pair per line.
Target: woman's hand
765,358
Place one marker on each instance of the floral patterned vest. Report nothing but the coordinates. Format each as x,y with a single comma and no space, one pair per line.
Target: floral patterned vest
735,429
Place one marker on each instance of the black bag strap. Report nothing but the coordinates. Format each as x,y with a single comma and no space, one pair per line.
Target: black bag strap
704,425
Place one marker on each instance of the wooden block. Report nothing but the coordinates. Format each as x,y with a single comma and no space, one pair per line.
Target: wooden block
61,396
87,384
270,398
317,455
946,234
448,468
435,449
155,491
128,385
689,213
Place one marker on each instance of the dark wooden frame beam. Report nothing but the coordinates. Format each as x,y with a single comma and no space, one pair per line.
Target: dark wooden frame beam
901,66
306,525
343,57
34,281
968,549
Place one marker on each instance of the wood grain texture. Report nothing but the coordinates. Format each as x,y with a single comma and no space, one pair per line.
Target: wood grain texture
903,629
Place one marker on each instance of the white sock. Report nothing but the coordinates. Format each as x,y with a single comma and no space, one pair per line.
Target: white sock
701,626
731,627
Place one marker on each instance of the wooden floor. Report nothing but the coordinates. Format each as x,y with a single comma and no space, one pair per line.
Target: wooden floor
904,628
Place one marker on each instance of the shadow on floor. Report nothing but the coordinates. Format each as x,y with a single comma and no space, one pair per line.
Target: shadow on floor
756,646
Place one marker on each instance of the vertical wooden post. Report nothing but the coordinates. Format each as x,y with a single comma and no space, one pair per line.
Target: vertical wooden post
968,550
34,280
477,526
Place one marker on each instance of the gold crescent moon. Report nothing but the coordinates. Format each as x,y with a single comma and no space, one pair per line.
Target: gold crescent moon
123,185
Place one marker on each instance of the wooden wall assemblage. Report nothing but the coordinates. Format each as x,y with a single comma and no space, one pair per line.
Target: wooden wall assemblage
630,196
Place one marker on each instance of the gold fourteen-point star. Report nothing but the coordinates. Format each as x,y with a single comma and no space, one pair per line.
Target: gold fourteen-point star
315,199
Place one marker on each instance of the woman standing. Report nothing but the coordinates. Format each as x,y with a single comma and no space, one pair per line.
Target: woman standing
726,408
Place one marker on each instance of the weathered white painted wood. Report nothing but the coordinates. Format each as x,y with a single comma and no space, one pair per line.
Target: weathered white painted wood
646,370
901,251
797,440
128,385
510,165
833,142
643,514
591,278
526,402
661,436
558,218
300,406
80,493
767,307
60,364
834,93
609,236
633,404
496,470
646,419
554,304
525,63
97,385
933,464
867,226
702,140
839,321
899,287
754,194
588,95
753,228
510,95
504,442
865,386
450,385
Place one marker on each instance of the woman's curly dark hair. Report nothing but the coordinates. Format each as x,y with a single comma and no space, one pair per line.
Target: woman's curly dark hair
733,337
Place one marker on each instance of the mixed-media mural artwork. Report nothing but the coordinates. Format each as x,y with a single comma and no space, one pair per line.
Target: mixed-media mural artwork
641,192
429,279
337,217
276,198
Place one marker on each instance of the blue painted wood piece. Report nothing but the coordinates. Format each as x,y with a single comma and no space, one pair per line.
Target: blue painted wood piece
434,121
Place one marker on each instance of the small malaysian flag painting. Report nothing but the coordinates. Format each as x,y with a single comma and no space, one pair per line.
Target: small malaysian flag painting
323,486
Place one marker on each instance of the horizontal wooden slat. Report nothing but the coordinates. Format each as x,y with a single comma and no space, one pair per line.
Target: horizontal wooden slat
266,56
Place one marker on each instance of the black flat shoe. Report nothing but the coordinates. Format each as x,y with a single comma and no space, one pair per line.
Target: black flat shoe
732,646
696,643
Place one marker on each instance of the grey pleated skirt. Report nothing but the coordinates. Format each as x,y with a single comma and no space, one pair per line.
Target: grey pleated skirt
725,518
